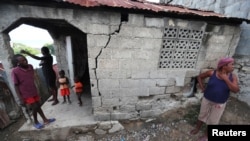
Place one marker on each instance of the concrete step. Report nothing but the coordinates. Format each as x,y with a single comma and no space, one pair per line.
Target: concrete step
70,117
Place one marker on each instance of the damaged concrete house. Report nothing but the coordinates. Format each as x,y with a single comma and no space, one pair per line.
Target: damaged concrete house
138,58
232,8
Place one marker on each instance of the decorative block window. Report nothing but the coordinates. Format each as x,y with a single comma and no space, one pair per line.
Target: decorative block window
180,48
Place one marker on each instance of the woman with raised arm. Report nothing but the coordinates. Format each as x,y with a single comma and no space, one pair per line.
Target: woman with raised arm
221,82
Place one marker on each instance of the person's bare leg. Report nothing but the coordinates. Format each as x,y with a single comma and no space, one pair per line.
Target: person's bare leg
34,112
50,92
197,128
79,99
40,111
54,94
68,99
45,119
64,99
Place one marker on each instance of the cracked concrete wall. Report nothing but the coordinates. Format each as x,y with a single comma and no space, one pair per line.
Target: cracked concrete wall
129,83
232,8
123,57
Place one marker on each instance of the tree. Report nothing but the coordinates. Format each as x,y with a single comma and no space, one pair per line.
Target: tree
51,48
17,47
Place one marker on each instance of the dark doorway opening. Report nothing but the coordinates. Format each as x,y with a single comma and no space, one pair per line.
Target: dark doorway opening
80,59
59,30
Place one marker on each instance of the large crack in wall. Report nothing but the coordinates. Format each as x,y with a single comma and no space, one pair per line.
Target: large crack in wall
99,54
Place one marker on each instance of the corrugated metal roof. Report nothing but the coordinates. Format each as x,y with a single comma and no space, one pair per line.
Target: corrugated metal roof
137,6
143,5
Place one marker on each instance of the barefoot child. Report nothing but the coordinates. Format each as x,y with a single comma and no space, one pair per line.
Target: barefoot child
78,89
63,83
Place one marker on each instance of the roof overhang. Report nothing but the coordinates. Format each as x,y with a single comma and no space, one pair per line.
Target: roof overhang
135,6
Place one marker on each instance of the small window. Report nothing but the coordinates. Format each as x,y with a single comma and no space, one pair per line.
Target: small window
180,48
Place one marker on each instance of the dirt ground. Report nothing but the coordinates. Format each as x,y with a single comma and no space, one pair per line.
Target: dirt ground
167,127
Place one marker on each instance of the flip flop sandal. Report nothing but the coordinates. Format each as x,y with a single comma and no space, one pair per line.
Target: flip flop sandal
38,126
50,121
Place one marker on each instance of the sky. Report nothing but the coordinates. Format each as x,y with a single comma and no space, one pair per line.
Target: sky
30,35
33,37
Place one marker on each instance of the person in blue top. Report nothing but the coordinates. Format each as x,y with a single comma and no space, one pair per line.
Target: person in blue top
221,82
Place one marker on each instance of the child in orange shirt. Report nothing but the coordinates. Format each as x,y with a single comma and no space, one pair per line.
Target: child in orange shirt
78,89
63,83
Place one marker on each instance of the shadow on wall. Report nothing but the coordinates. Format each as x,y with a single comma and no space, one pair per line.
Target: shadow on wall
8,107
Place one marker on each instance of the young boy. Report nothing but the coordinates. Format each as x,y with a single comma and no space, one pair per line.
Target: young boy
78,89
63,83
48,71
23,78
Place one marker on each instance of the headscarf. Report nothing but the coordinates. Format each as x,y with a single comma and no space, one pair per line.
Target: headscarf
224,61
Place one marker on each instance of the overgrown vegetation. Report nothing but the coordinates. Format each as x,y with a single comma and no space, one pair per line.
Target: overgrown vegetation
17,47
